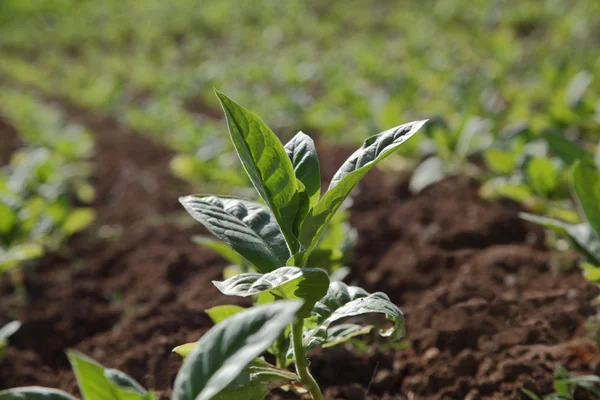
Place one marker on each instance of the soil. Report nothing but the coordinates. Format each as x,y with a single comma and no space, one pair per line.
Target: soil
9,141
487,310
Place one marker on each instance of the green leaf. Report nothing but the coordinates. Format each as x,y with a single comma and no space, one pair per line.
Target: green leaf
78,219
499,161
344,301
97,383
35,393
220,248
8,218
542,175
303,154
267,164
254,381
221,313
243,388
225,350
185,350
585,240
374,149
586,187
502,188
341,333
308,284
216,314
248,227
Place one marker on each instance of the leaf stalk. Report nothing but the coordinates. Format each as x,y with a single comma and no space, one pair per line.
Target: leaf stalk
302,363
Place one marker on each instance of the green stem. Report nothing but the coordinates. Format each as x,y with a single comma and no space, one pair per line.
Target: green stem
302,363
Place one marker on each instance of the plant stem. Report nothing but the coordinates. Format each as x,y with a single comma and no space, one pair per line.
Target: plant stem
302,363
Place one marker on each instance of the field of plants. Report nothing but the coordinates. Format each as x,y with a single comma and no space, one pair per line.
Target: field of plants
250,200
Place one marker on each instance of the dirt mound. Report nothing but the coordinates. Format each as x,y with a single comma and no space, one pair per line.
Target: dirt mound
485,312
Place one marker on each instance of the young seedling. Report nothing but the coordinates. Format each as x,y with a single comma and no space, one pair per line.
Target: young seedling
279,239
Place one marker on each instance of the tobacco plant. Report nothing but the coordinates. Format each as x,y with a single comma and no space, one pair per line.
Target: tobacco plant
279,238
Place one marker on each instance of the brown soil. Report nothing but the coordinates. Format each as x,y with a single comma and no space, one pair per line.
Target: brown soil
486,313
9,141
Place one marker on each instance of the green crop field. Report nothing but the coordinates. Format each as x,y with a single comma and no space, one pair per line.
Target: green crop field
108,115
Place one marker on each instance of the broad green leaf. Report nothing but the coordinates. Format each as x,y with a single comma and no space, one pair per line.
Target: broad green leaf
248,227
308,284
225,350
585,240
267,164
97,383
34,393
344,301
78,219
500,161
220,248
8,218
220,313
302,152
217,314
567,150
586,187
374,149
542,175
243,388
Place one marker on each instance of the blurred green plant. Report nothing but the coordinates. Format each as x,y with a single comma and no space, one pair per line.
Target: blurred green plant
44,181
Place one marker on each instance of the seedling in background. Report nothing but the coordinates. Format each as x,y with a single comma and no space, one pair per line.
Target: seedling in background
95,383
585,236
280,238
566,384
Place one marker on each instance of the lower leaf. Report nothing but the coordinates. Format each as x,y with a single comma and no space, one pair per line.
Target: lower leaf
35,393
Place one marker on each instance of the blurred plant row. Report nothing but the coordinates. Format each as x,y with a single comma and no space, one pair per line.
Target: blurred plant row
44,188
516,86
